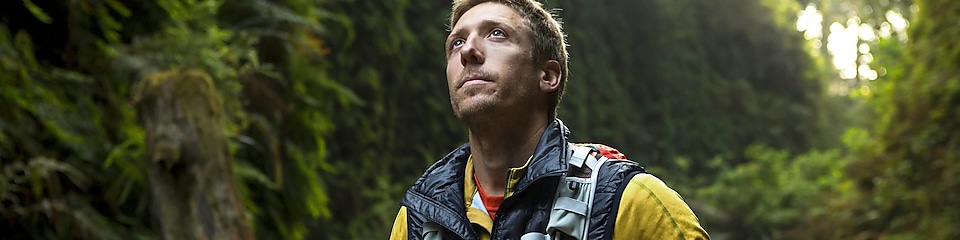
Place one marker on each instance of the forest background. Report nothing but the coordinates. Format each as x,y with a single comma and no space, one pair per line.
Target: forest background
775,119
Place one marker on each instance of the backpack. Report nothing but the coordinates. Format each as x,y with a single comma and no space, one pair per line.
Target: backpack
570,217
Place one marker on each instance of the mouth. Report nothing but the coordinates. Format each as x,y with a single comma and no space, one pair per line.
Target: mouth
473,82
472,79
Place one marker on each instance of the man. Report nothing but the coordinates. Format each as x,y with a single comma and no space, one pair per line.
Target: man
518,178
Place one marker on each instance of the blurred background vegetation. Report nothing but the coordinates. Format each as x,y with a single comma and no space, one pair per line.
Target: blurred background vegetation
775,119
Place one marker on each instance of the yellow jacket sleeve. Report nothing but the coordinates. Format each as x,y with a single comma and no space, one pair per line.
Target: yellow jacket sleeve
399,231
651,210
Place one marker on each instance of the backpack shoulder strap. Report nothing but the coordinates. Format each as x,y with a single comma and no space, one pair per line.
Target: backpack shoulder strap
570,216
573,203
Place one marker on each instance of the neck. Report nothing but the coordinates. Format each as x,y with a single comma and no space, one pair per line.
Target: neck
496,148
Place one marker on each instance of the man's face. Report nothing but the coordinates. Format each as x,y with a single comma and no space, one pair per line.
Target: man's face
489,63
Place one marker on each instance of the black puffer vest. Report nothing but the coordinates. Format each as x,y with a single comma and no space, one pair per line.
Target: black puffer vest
436,199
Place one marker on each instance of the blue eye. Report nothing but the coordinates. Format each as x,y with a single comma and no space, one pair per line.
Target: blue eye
498,33
456,43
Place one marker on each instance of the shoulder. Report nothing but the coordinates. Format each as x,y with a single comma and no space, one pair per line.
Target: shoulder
399,231
646,190
649,209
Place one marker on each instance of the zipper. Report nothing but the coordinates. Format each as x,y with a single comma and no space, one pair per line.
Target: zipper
507,203
563,156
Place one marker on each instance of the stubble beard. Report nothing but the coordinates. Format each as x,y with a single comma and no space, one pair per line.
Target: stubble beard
474,111
478,106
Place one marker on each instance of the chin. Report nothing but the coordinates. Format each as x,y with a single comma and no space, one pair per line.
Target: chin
475,113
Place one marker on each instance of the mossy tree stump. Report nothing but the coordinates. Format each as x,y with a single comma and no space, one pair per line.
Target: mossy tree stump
191,175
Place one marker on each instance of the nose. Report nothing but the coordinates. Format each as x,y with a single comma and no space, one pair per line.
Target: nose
471,52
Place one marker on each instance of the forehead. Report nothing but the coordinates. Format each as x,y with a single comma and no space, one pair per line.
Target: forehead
489,12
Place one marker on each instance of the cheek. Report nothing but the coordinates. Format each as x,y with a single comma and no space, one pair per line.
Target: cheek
453,70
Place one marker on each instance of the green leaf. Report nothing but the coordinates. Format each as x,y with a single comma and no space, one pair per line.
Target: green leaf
37,12
118,7
244,171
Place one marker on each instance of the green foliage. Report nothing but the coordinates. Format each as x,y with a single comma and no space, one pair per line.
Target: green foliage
57,117
49,158
772,192
50,108
696,74
909,165
394,121
34,194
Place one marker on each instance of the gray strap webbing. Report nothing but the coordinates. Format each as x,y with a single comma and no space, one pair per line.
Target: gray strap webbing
571,205
570,214
580,154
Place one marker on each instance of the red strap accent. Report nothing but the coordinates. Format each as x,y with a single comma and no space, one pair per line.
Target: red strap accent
606,151
492,203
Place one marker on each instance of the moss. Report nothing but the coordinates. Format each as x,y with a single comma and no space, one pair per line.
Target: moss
193,87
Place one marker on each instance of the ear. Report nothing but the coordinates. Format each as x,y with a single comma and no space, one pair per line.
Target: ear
550,76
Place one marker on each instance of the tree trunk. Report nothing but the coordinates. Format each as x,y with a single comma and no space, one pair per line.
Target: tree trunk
191,174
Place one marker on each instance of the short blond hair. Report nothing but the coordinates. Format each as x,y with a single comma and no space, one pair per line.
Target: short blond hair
549,42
